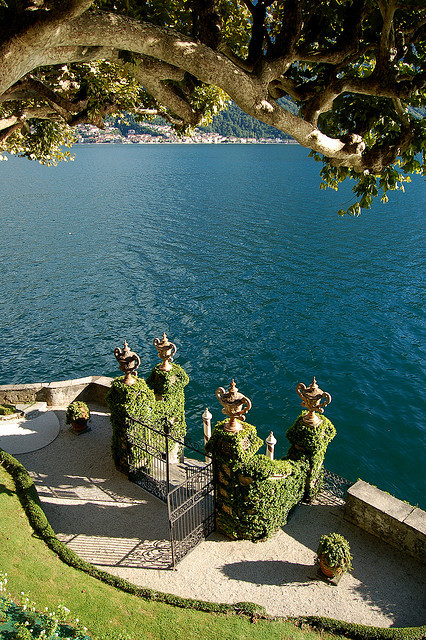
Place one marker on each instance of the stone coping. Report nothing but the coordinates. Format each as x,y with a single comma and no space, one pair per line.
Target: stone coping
90,388
390,519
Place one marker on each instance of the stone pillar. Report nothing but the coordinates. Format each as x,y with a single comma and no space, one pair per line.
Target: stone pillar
168,387
207,428
254,494
270,442
310,443
137,399
228,450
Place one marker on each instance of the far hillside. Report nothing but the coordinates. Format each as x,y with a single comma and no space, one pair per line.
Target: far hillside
234,122
231,122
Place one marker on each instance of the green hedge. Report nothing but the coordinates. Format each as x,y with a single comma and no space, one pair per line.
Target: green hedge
161,395
360,631
7,409
138,400
310,444
168,388
252,500
30,501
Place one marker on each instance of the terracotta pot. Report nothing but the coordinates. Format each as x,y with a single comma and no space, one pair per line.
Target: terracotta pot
79,425
329,572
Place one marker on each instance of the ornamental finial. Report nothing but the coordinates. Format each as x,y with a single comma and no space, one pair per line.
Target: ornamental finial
166,351
128,362
315,400
235,406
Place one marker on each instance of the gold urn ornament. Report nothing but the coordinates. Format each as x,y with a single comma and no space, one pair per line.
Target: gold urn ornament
166,351
235,406
314,400
128,362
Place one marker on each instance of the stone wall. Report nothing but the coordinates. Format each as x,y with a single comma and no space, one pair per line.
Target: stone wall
388,518
90,389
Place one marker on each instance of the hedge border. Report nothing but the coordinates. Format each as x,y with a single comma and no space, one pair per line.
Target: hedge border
360,631
31,504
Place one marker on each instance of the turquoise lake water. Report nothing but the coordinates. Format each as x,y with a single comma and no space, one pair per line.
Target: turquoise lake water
237,255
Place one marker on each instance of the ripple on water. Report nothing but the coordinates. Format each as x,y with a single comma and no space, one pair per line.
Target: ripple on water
237,255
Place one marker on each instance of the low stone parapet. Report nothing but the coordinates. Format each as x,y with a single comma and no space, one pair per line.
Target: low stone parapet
89,389
392,520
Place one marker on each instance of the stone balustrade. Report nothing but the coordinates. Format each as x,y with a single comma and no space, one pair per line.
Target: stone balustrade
91,388
392,520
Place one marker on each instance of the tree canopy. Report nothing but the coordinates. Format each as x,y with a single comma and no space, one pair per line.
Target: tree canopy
355,70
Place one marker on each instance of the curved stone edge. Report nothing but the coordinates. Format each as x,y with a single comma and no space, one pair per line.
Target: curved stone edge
30,501
26,436
90,388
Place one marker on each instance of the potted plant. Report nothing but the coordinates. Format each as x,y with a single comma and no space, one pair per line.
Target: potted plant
334,555
78,415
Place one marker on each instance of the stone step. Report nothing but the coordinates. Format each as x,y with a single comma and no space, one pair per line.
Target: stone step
32,410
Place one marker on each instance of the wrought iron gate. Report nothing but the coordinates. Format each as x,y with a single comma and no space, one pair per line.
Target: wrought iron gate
191,511
190,501
148,457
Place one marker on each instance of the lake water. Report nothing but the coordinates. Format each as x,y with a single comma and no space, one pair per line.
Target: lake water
237,255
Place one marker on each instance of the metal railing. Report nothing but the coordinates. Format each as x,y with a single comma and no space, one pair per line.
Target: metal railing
335,487
191,511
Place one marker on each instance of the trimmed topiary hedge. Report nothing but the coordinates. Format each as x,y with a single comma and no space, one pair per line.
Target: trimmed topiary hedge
168,388
254,494
7,409
160,396
310,444
138,400
360,631
30,501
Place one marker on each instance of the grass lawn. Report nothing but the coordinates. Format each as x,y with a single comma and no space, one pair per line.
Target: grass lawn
108,612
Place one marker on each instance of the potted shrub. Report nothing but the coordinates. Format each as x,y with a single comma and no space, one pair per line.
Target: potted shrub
77,415
334,555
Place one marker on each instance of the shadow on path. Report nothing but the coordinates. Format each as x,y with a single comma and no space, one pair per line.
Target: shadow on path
273,572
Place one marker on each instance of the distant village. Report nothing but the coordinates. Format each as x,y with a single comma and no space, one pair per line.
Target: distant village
162,134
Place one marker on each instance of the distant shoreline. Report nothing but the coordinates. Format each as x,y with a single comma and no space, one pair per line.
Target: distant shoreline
136,144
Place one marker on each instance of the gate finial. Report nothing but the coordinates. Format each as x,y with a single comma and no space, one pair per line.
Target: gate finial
235,405
311,399
166,351
128,362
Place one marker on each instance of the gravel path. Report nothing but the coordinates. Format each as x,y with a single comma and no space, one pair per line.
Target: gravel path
117,526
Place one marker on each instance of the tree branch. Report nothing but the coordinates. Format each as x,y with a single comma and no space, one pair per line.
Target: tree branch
163,93
206,22
290,30
5,132
68,10
156,68
239,62
401,112
386,50
41,113
41,90
167,53
380,156
205,64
